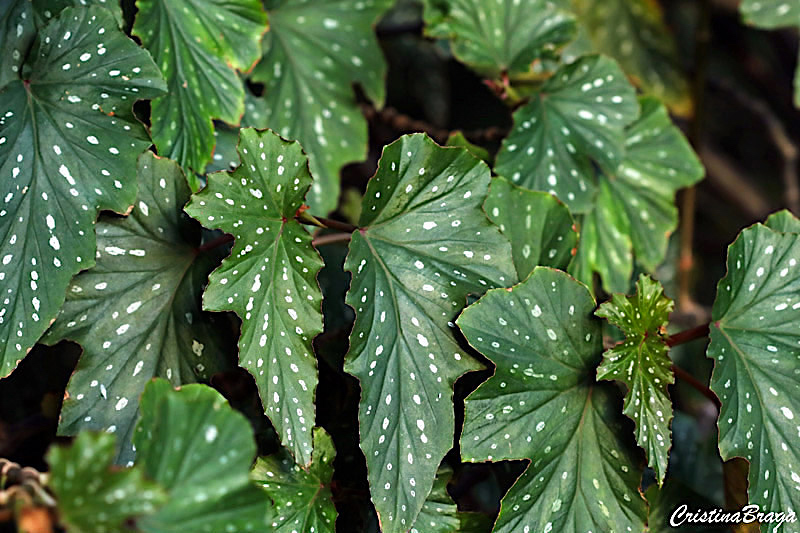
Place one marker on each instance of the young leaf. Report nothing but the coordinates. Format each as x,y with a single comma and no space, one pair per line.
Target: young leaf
270,279
137,312
92,497
313,53
198,44
772,14
577,117
642,363
635,205
505,36
68,146
542,405
539,226
302,499
634,33
754,340
199,450
439,514
424,245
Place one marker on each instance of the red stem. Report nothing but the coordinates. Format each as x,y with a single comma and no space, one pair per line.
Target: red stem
700,387
688,335
331,238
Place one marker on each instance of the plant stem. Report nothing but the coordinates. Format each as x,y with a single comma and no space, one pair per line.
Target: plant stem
687,378
335,224
331,238
219,241
687,335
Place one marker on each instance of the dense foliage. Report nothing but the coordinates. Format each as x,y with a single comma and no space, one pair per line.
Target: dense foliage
178,202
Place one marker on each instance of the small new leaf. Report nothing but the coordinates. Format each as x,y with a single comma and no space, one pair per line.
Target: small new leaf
302,499
642,363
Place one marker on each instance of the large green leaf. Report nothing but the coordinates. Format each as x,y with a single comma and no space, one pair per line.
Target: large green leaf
642,363
44,10
634,33
68,146
92,497
755,342
542,405
576,118
772,14
270,279
302,499
424,245
635,206
504,36
313,52
137,312
198,44
199,450
539,226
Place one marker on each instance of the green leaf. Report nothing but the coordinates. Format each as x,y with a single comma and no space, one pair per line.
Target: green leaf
439,514
302,499
16,35
771,14
576,118
270,279
200,450
505,36
313,52
137,313
542,405
635,206
425,244
539,226
754,340
198,44
47,9
642,363
93,497
457,139
634,33
68,146
784,221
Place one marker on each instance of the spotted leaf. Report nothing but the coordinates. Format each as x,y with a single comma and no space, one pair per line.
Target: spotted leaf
313,53
270,279
634,210
772,14
198,44
439,514
542,405
92,496
68,146
642,363
17,32
424,245
577,118
634,33
504,36
199,450
755,343
44,10
302,499
137,313
539,226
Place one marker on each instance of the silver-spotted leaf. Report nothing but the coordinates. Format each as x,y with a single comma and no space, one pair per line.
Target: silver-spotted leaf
634,209
313,53
542,405
199,45
68,148
539,226
772,14
439,514
17,32
504,36
270,279
424,245
137,313
93,497
634,33
44,10
642,363
755,343
576,118
193,444
302,499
